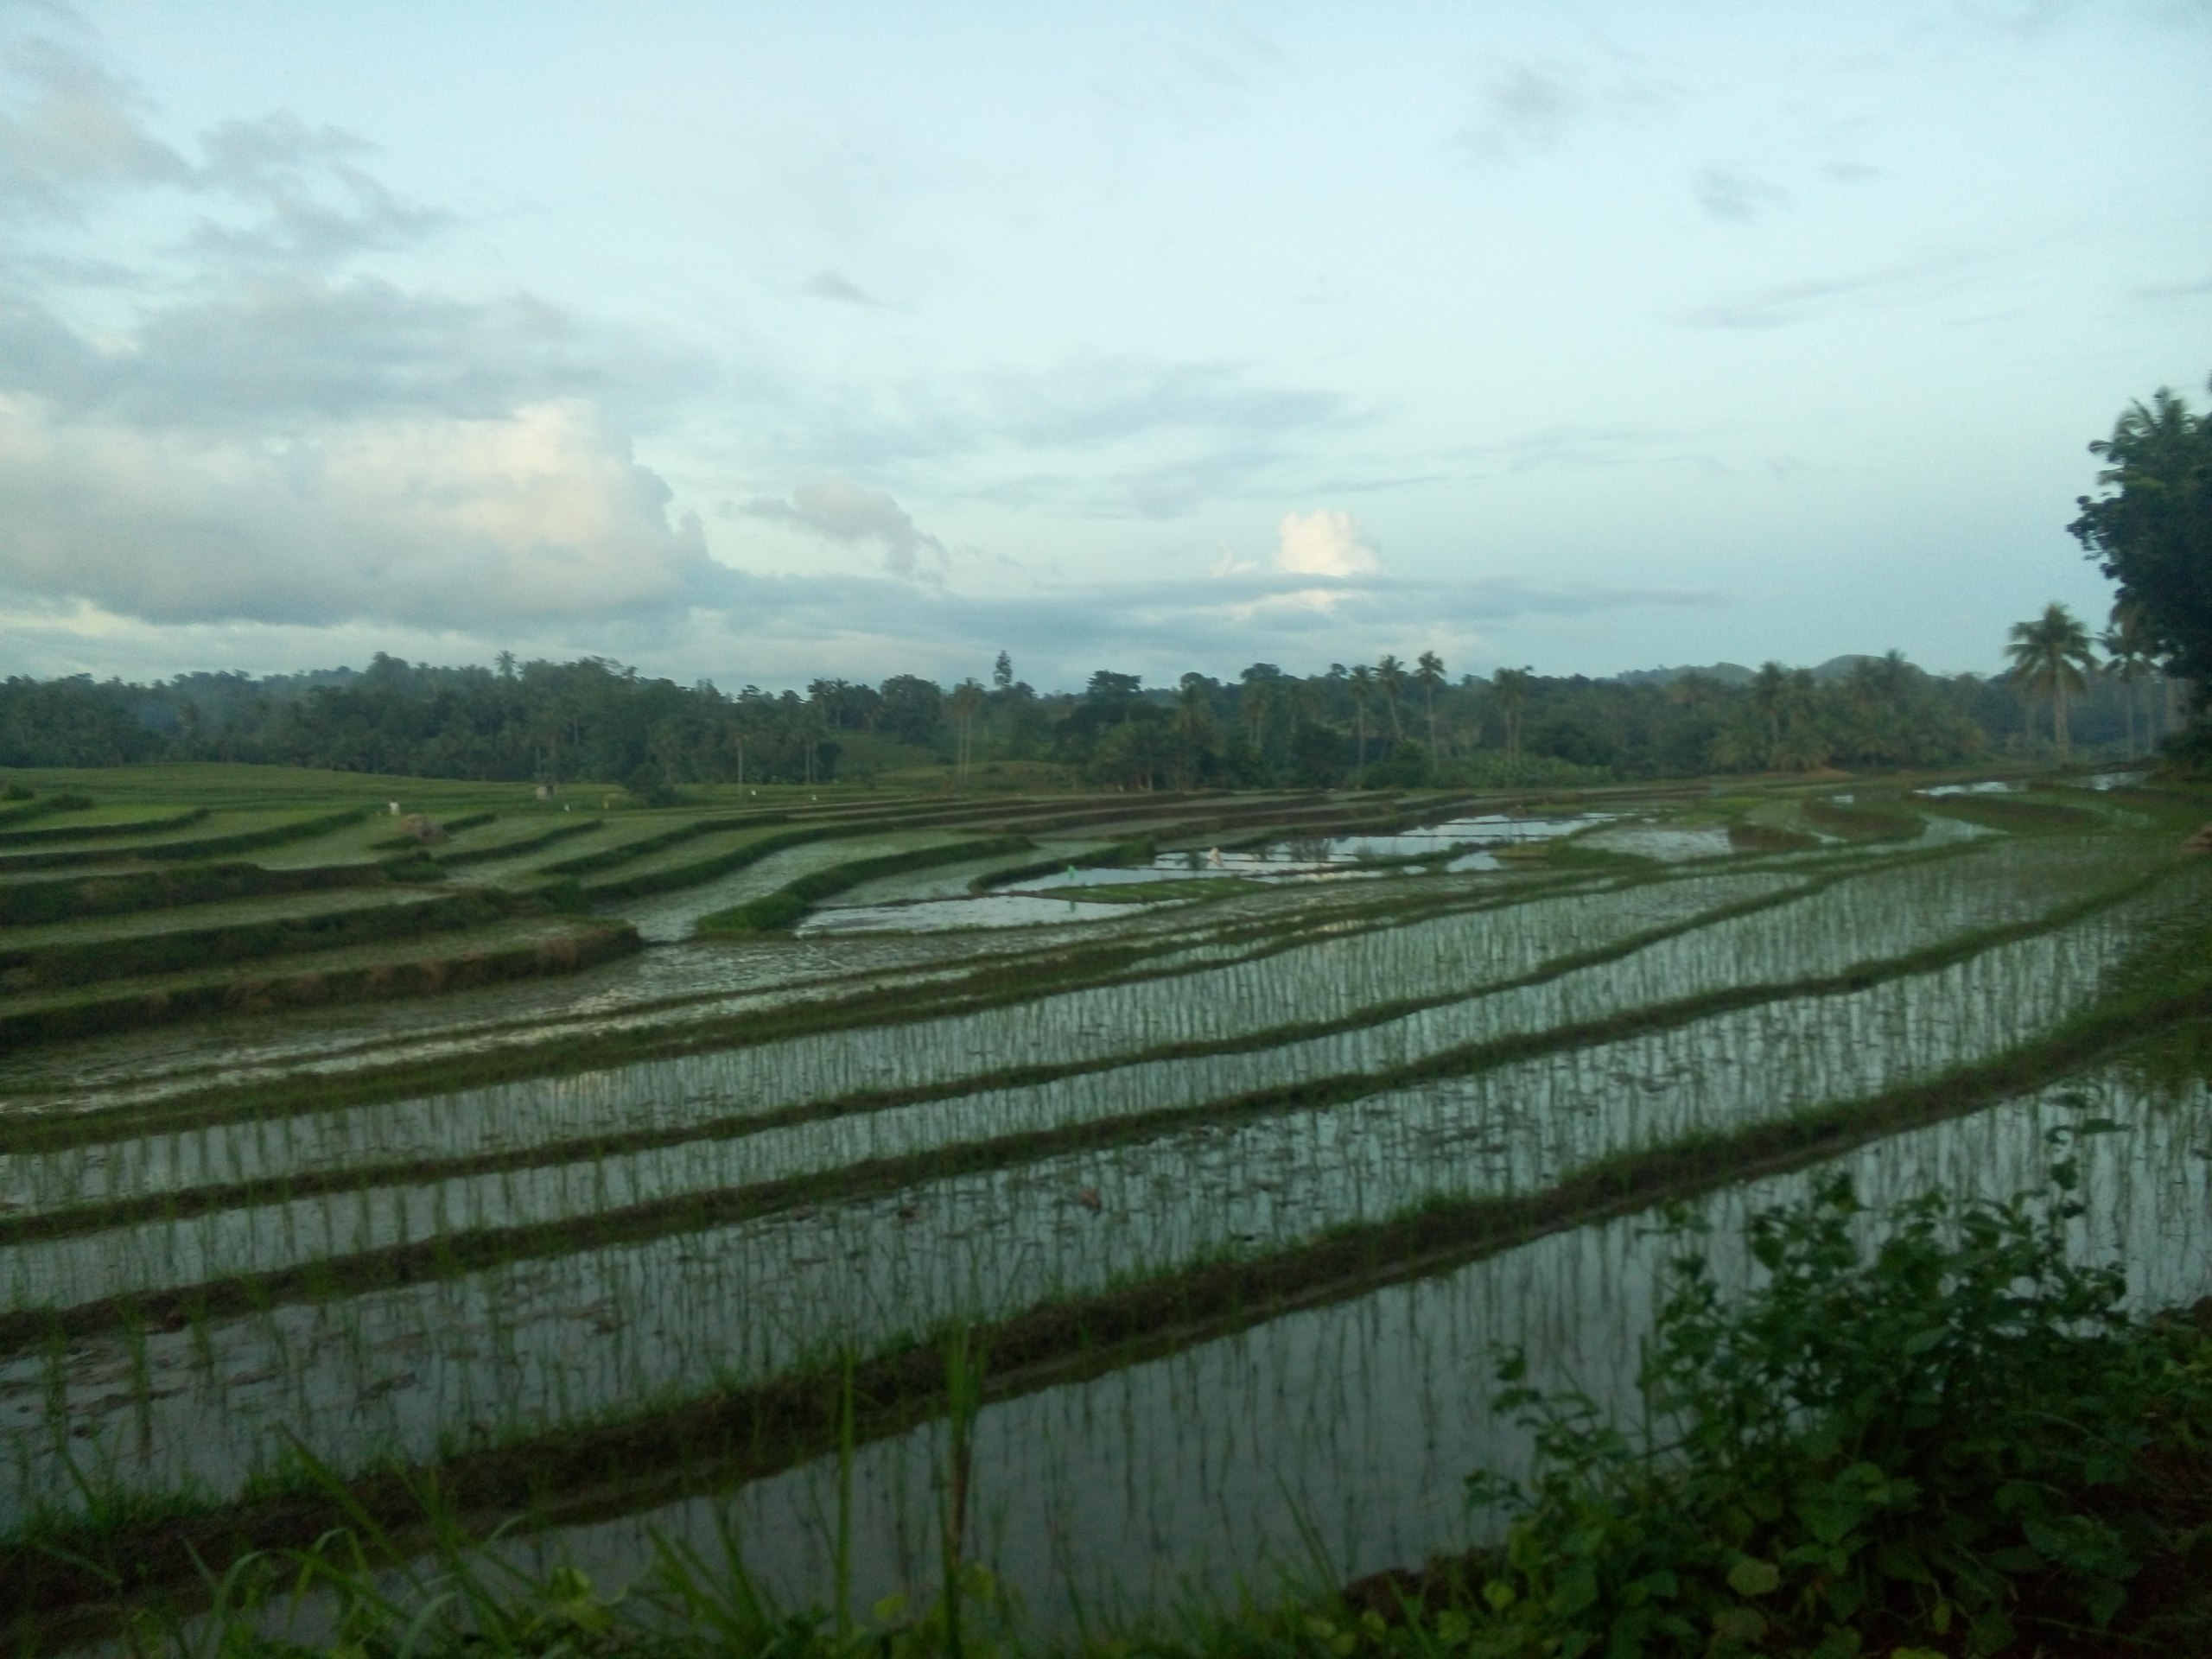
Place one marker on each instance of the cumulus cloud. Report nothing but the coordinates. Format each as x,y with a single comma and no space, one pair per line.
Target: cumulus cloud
540,513
71,128
842,511
1324,543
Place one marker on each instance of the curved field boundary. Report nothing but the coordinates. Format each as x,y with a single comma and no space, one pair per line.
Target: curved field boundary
128,891
1087,967
165,851
788,903
612,1467
491,854
109,831
2003,812
43,805
314,988
1120,855
701,871
608,858
1857,822
180,949
454,1253
451,827
92,1217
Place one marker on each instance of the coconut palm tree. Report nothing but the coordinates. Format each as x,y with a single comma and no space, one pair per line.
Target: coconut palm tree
1510,686
967,699
1429,674
2050,656
1390,675
1361,682
2129,660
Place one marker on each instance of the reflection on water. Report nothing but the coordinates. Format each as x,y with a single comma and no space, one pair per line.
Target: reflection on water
1349,1428
1987,786
1011,909
1669,843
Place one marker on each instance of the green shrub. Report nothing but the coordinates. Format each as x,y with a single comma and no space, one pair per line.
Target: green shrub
1940,1437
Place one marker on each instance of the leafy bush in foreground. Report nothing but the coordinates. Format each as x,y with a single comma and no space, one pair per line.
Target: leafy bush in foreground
1945,1437
1948,1440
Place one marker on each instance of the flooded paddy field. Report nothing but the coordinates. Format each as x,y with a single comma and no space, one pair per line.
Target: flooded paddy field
1237,1134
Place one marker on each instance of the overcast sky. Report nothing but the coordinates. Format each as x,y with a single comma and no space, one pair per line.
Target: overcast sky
768,341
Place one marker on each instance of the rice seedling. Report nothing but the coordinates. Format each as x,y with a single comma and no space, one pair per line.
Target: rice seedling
1218,1206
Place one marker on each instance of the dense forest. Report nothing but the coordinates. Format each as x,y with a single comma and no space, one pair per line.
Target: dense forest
1383,725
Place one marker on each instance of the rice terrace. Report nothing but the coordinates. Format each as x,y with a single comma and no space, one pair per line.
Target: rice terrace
664,995
631,1179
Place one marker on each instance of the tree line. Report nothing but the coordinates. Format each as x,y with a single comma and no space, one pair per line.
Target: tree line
1390,723
1385,724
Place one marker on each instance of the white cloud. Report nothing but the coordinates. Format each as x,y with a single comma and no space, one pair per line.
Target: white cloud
431,522
1324,543
845,511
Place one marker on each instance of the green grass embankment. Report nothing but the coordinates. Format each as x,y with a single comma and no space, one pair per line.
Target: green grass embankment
480,957
493,852
2009,813
175,950
109,830
1855,821
191,848
1120,854
788,905
22,810
123,891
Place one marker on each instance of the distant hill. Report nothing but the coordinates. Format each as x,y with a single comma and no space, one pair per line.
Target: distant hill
1726,673
1835,668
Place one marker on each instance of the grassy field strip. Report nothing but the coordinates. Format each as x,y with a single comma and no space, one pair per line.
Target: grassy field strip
956,881
507,838
420,966
215,913
700,850
110,849
1256,1004
671,916
82,894
784,908
1454,957
570,1337
101,823
1181,1473
61,955
1852,1044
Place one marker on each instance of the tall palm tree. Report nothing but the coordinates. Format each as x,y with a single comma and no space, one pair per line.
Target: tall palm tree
1429,674
967,698
2050,656
1510,687
2128,659
1362,685
1390,675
